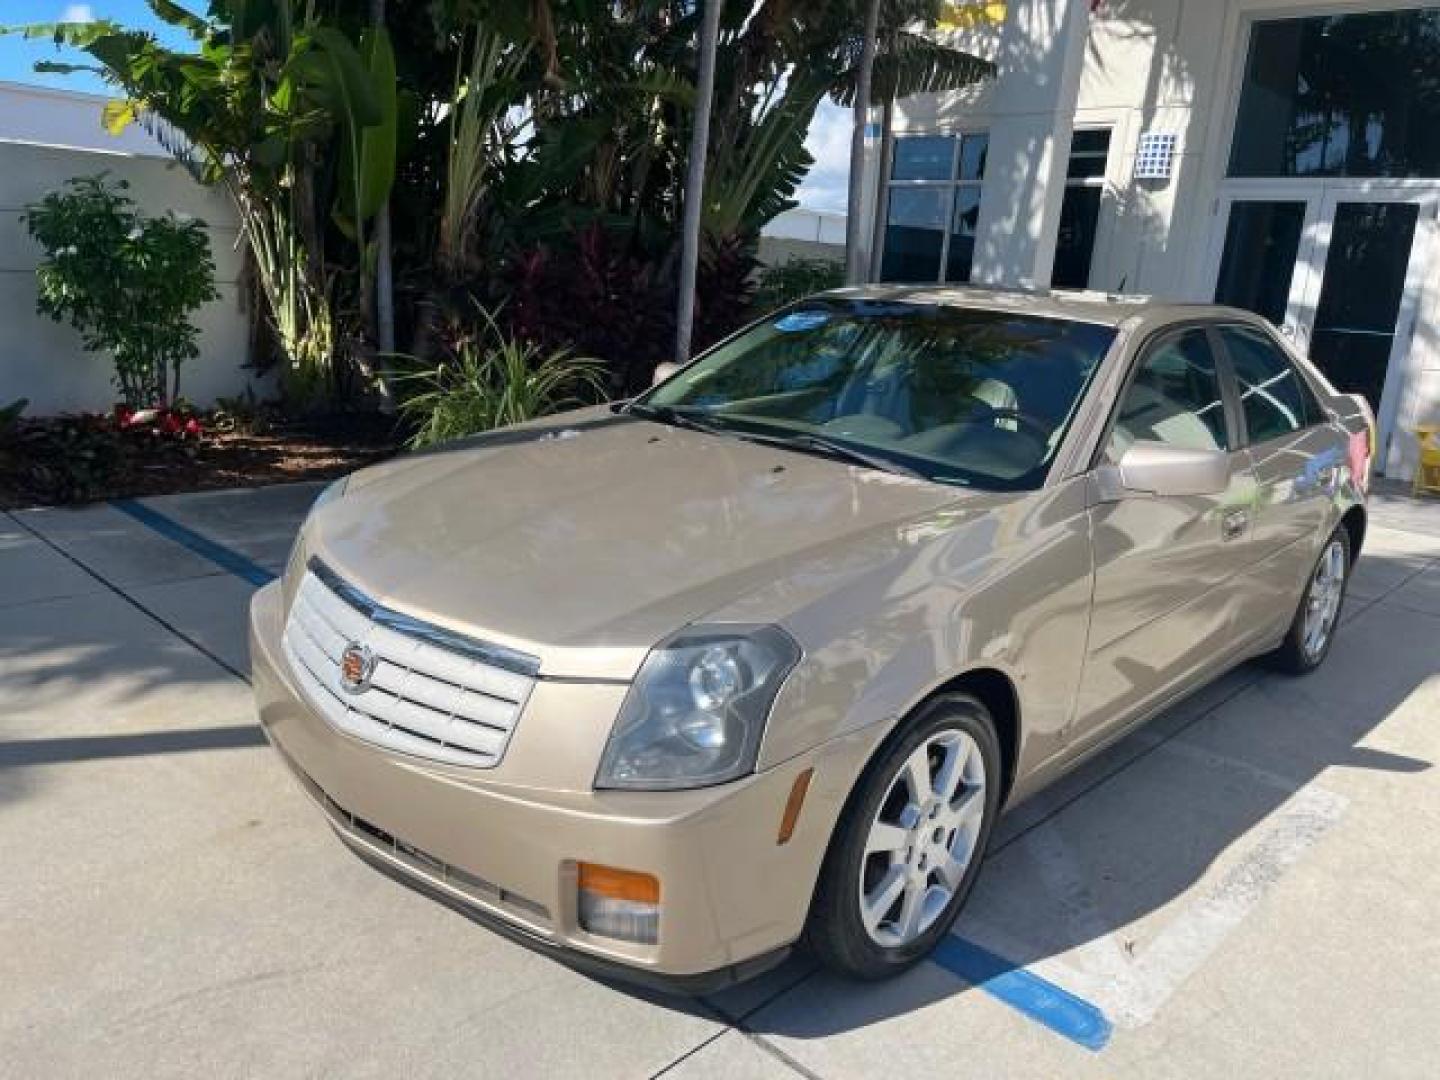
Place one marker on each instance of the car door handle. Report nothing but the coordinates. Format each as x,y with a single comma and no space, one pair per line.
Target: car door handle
1233,523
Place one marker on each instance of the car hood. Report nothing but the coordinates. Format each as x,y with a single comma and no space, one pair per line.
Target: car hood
587,540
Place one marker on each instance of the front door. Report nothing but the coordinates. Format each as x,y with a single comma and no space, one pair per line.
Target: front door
1338,266
1168,571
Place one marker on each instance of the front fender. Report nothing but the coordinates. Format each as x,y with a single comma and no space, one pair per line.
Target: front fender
1007,590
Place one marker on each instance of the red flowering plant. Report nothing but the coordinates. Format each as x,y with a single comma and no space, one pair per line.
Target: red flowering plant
177,421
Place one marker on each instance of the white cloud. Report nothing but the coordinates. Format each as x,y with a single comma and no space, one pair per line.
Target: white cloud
825,187
78,13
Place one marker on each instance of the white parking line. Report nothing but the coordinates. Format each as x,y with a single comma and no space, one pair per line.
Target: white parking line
1132,988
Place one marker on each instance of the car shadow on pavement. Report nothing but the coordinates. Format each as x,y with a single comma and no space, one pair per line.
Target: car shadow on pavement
1202,800
21,752
86,678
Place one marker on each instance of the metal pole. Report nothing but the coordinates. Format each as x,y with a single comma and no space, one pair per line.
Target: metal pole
695,180
854,265
882,187
384,275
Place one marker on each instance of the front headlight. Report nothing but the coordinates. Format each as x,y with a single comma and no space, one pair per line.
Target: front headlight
697,710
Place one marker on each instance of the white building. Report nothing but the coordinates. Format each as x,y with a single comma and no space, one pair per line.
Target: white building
46,138
1280,155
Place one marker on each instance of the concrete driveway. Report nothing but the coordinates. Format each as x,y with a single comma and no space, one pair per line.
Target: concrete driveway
1248,887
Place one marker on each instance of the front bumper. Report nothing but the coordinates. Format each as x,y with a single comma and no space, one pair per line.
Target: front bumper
502,844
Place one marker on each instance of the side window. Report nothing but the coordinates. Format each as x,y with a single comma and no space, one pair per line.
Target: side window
1174,398
1275,399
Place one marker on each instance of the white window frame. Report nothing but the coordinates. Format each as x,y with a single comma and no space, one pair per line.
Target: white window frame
952,185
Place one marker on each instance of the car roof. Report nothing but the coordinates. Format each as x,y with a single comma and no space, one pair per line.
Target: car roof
1106,309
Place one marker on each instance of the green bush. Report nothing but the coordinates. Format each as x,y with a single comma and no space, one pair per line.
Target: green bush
127,283
494,380
795,278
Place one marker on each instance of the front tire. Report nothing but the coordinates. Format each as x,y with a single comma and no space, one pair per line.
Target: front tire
909,847
1312,631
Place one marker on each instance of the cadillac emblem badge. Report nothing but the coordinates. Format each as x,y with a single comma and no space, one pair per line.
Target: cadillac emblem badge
357,664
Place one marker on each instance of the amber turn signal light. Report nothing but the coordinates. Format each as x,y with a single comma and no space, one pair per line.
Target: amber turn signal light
619,884
793,804
619,904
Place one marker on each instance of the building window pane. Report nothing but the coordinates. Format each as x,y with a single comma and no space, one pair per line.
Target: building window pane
1080,208
914,234
924,157
972,156
933,207
1262,240
962,233
1088,153
1075,242
1342,95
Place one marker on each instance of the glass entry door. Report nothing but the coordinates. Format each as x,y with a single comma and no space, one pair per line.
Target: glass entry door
1368,248
1262,260
1339,268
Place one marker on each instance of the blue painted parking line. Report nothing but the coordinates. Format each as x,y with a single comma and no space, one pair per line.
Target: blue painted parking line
1039,999
222,556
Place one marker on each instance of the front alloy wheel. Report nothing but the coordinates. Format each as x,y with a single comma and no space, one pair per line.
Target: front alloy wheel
923,838
908,849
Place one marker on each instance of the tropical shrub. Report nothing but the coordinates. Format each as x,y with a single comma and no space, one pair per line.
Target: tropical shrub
592,294
492,135
492,380
794,279
127,283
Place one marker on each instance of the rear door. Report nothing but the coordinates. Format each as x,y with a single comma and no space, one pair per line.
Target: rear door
1296,455
1168,571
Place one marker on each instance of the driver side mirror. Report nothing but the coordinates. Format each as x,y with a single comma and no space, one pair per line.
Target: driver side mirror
663,371
1165,471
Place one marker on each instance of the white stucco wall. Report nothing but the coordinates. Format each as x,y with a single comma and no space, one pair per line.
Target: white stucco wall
47,138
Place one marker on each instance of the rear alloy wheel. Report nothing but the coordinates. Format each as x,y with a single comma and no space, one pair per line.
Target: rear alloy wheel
909,849
1313,628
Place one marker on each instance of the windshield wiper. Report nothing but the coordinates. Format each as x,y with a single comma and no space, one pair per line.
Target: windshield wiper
843,452
693,419
697,420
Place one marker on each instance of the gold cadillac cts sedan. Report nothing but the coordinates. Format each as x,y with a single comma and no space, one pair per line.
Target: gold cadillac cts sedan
757,658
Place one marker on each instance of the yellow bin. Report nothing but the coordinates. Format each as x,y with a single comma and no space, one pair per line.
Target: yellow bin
1427,475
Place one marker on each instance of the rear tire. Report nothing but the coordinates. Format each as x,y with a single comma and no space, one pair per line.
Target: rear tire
909,846
1312,631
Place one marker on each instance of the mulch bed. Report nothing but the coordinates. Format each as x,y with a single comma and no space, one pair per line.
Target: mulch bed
67,461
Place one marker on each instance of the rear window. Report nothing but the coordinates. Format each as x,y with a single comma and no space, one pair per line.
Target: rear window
1273,397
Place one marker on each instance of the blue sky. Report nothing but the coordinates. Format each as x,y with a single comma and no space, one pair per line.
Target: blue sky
824,188
17,56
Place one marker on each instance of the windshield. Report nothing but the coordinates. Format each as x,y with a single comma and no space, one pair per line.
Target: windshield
956,395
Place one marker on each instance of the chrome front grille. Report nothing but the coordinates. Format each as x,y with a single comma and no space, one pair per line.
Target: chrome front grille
431,693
